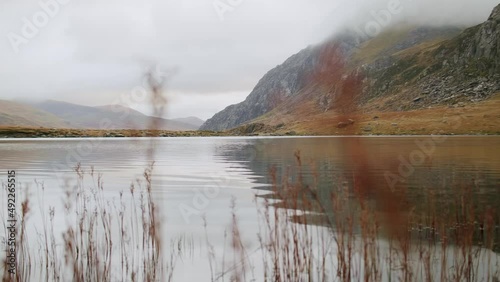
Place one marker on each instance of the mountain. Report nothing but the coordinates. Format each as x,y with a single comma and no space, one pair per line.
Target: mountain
404,69
18,114
194,121
115,116
278,85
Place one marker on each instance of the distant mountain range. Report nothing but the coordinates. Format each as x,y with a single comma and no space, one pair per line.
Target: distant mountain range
403,69
56,114
17,114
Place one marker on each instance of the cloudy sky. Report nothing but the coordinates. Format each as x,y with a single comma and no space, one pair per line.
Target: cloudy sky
95,52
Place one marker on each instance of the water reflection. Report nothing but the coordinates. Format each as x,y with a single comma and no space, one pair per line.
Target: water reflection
460,160
423,174
230,167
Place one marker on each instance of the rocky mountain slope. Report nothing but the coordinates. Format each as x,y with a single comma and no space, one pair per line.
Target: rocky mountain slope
278,85
403,69
463,69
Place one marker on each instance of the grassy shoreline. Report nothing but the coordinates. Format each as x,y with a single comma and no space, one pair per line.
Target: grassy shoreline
28,132
22,132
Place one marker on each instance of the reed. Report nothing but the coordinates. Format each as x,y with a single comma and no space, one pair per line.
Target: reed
103,240
455,241
307,233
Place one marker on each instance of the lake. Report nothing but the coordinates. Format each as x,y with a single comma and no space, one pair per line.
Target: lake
197,180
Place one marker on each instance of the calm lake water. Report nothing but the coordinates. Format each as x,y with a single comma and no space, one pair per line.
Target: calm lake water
200,177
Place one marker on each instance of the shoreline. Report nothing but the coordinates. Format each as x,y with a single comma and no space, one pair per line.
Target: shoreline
61,133
480,119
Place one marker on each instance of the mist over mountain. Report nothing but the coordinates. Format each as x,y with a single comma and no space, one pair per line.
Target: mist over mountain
91,53
19,114
194,121
401,68
57,114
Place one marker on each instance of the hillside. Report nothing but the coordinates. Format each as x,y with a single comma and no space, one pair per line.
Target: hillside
17,114
421,71
277,86
194,121
116,117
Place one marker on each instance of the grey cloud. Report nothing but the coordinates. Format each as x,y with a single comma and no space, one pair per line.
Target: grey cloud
95,47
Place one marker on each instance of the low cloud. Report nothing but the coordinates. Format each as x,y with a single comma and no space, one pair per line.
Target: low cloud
96,49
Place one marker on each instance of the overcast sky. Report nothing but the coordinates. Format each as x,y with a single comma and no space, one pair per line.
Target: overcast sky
93,52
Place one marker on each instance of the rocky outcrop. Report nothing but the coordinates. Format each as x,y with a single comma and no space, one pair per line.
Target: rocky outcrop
476,49
485,44
463,69
466,68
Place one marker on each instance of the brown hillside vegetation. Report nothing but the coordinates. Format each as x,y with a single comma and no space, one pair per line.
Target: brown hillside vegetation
479,118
